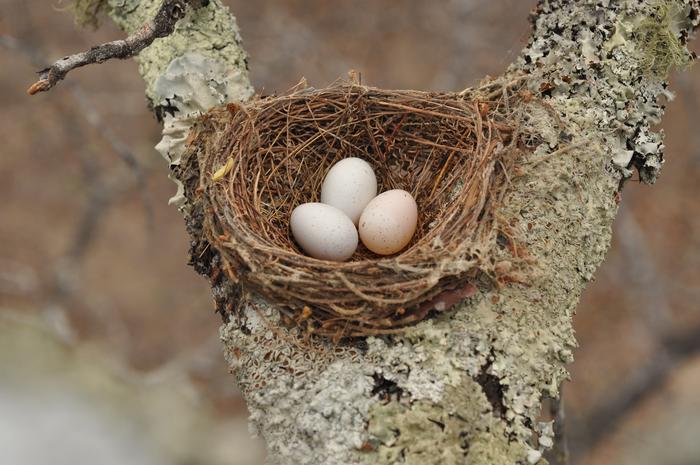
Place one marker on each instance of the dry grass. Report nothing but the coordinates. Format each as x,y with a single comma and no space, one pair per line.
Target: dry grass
257,162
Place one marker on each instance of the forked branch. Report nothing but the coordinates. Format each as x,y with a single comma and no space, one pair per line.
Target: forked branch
162,25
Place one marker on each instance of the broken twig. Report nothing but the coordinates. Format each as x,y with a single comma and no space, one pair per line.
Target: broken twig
162,25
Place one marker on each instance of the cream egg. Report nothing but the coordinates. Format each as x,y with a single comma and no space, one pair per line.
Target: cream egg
323,231
349,186
388,222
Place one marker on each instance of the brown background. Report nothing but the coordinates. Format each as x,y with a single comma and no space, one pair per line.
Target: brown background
120,279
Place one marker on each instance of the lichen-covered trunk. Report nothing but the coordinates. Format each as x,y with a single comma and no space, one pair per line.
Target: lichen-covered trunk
465,386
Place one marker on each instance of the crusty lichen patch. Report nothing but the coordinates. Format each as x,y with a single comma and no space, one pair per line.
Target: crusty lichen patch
308,403
191,85
615,59
511,345
209,31
458,431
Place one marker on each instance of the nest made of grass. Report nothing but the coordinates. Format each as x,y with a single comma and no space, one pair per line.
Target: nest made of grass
258,161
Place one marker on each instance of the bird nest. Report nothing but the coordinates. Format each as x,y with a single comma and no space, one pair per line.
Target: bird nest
256,162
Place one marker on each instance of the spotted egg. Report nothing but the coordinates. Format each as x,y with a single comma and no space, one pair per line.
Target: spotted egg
388,222
323,231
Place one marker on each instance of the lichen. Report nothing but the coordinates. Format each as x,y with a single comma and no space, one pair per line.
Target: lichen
458,431
622,72
314,421
466,386
191,85
310,405
659,40
200,65
210,31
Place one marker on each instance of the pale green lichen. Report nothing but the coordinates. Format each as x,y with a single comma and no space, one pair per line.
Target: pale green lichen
190,86
659,41
209,31
618,83
310,405
460,430
466,386
514,342
491,358
655,37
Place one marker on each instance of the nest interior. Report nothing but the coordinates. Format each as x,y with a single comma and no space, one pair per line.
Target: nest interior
256,162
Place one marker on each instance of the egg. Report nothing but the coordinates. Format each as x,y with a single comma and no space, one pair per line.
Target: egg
388,222
323,231
349,186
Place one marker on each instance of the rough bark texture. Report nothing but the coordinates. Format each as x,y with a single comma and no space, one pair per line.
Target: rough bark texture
466,386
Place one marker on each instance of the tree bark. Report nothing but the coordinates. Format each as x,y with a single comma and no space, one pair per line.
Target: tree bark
465,386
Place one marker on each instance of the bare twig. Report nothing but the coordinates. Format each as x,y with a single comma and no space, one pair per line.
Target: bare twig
162,25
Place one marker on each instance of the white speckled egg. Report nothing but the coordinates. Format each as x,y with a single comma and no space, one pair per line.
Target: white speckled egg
349,186
388,222
323,231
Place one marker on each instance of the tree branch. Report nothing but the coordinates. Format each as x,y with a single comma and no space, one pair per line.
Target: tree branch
162,25
466,385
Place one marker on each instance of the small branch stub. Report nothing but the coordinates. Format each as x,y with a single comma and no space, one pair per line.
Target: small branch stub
162,25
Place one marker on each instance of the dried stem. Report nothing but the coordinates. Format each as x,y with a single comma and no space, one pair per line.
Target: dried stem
162,25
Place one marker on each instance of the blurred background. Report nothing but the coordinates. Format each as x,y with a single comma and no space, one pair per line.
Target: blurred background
108,341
